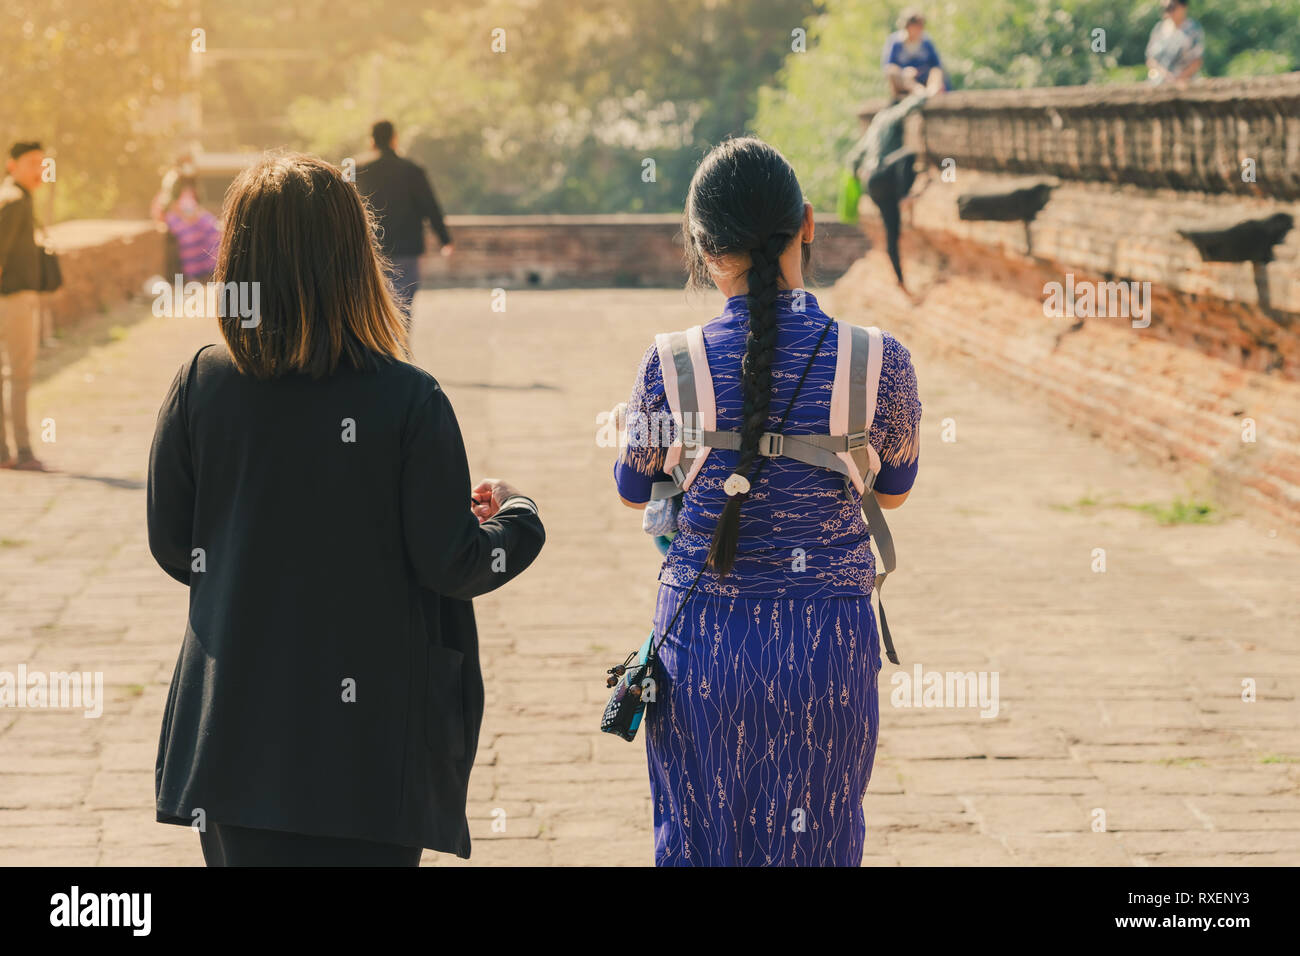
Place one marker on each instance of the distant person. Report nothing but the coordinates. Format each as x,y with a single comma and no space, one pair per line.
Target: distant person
910,58
887,169
402,197
20,284
1176,49
310,489
181,178
197,234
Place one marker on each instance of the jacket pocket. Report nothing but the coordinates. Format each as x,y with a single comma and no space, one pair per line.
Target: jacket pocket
445,704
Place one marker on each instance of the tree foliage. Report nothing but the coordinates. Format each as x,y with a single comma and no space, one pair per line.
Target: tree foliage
592,106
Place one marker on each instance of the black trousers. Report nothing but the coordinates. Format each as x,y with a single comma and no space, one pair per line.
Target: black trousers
226,845
887,187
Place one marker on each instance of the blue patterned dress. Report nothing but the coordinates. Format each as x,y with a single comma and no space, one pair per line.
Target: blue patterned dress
761,743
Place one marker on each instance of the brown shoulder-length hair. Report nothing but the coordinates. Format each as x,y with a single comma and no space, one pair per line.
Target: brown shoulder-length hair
295,227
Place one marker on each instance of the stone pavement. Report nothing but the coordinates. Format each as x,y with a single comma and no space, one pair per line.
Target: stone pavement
1120,692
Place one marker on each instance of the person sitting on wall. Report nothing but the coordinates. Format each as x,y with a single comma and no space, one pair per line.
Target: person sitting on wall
910,58
1176,49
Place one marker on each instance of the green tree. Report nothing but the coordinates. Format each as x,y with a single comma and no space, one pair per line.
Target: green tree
810,111
566,118
99,85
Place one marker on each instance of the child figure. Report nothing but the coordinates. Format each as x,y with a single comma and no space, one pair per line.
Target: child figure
197,235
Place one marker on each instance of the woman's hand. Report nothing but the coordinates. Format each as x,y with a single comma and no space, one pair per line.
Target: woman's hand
489,495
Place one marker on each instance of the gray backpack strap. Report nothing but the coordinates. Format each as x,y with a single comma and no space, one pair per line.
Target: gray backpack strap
664,489
864,383
864,372
689,406
880,532
817,450
682,388
885,545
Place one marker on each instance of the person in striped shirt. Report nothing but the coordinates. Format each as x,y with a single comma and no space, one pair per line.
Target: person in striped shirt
197,233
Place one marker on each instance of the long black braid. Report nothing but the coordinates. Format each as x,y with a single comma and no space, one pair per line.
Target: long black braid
745,200
756,380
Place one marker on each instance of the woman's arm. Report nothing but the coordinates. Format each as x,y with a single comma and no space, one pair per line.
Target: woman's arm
170,507
649,429
451,551
898,410
889,502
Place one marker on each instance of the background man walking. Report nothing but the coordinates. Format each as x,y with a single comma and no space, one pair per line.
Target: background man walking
400,192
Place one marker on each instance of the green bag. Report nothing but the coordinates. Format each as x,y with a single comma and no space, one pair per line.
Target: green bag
850,193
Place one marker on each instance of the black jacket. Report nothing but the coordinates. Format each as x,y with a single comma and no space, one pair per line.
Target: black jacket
400,192
325,564
20,263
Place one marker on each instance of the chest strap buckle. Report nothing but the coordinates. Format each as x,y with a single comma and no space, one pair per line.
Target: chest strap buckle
771,444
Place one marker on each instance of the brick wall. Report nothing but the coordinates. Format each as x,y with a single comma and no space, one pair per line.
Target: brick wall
1241,313
1223,343
593,251
1157,137
104,264
108,262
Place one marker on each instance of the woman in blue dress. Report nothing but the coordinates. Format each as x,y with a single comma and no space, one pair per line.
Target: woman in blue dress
761,739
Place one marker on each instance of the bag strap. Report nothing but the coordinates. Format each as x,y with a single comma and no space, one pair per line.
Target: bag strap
866,347
879,530
821,451
654,647
688,386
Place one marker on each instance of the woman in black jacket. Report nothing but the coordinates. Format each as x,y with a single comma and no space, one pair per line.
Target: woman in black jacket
312,489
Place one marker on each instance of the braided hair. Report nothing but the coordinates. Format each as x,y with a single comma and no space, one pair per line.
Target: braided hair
745,200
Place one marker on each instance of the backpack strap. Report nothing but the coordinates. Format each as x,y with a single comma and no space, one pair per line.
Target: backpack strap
688,386
853,401
821,451
862,386
846,449
853,409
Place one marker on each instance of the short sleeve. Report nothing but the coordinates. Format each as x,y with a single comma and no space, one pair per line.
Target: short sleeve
1197,37
934,54
891,50
896,431
648,431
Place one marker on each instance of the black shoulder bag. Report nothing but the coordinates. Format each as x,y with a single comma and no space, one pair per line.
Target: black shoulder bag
49,273
635,681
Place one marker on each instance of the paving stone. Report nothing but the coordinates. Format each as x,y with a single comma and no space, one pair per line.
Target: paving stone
1119,691
47,836
87,855
1068,849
